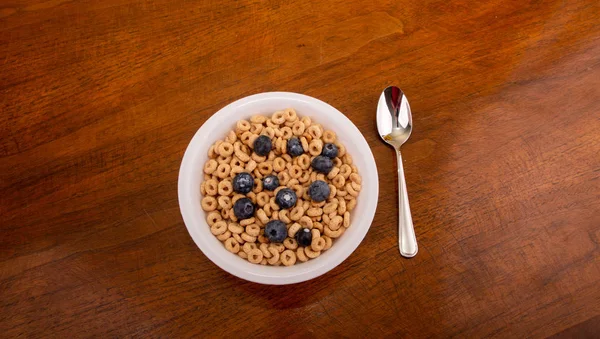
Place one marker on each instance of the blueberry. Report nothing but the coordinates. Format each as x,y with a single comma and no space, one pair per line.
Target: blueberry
243,182
243,208
262,145
322,164
294,147
276,231
286,198
270,182
304,237
319,191
330,151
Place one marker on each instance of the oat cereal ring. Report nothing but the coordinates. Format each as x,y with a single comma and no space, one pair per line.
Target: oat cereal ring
278,164
203,188
235,228
295,171
264,248
236,197
235,171
262,239
351,191
231,137
297,213
305,177
328,242
304,143
211,152
275,215
337,162
247,247
224,236
274,256
335,223
265,168
329,136
306,204
314,131
255,256
268,210
355,186
232,246
325,218
225,213
286,133
333,173
306,121
246,137
315,147
210,166
223,170
298,128
257,174
332,191
341,149
303,161
351,204
237,238
256,129
225,149
262,198
290,114
247,222
318,204
280,248
306,222
330,207
284,177
300,254
243,125
355,178
225,188
258,158
333,234
235,162
341,206
258,119
339,181
283,216
253,230
292,182
269,131
258,187
239,152
218,227
278,117
288,258
209,204
242,255
310,253
216,144
314,212
293,229
213,217
346,222
347,159
247,237
318,244
290,243
317,225
262,216
313,176
299,191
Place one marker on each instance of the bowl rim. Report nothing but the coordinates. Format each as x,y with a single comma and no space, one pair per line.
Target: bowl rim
186,207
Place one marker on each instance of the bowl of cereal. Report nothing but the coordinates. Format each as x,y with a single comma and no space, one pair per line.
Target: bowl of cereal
278,188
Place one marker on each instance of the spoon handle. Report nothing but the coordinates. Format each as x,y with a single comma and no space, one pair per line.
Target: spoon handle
408,240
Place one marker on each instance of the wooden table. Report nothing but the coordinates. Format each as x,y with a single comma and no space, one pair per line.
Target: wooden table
100,98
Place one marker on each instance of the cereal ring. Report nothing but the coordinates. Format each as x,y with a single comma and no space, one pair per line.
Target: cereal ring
300,254
257,174
225,188
278,118
247,237
255,256
258,158
306,222
211,152
262,239
232,246
345,171
318,244
258,187
235,162
288,258
329,136
317,225
224,236
209,204
223,170
355,178
332,191
224,202
278,164
341,206
275,215
310,253
274,256
237,238
236,197
303,161
290,114
263,262
299,191
316,234
314,131
262,198
304,143
223,160
351,204
251,165
314,212
355,186
306,204
264,248
295,171
225,213
333,173
210,166
328,242
335,223
261,215
283,216
284,177
292,182
315,147
293,229
339,181
325,218
256,129
268,210
243,125
265,168
247,247
235,171
219,227
242,255
296,213
235,228
258,119
306,121
246,138
280,248
347,159
253,230
351,191
330,207
286,133
346,222
239,152
247,222
318,204
290,243
231,137
203,188
333,234
225,149
213,217
269,131
298,128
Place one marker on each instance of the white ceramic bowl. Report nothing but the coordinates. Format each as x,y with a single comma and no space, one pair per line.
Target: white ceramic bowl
190,178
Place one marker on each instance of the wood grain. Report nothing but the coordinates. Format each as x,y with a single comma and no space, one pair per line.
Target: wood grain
100,98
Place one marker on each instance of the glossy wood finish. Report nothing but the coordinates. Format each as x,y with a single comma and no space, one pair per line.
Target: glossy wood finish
100,98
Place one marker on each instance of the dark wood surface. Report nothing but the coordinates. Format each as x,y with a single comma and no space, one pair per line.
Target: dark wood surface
99,99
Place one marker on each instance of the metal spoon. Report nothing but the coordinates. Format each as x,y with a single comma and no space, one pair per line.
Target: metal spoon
394,123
